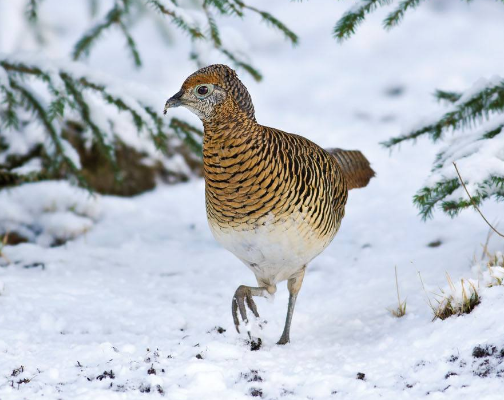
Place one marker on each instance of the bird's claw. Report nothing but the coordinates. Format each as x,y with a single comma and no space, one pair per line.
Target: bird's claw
242,296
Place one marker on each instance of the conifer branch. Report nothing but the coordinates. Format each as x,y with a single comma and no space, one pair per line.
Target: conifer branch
348,23
100,136
131,44
274,22
493,132
397,15
469,109
9,118
242,64
83,46
193,31
466,112
214,30
186,132
450,97
474,203
32,103
32,10
225,7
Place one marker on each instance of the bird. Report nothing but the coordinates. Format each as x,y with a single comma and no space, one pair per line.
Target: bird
273,199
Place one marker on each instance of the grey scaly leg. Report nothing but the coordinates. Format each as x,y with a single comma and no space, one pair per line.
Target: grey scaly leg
294,286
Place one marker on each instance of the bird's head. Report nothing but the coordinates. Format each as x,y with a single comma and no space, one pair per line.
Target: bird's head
211,91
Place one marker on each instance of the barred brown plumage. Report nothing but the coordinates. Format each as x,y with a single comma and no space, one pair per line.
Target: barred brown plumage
274,199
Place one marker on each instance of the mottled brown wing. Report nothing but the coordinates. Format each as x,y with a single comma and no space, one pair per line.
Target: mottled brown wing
355,167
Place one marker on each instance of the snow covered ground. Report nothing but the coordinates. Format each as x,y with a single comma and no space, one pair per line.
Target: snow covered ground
139,304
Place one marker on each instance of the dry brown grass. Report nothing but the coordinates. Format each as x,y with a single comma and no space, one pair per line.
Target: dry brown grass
3,242
400,310
455,301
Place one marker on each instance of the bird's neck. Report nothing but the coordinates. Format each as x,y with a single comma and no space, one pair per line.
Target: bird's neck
228,127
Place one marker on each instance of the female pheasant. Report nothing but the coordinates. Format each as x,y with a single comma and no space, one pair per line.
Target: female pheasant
273,199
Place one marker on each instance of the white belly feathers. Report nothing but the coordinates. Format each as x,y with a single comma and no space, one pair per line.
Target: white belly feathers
273,249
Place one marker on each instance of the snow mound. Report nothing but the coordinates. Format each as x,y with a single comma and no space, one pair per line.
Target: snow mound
48,213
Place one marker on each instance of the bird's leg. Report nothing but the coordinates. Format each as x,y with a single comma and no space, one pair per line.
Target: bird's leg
294,286
242,296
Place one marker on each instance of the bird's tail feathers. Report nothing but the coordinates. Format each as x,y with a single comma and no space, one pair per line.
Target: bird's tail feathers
355,167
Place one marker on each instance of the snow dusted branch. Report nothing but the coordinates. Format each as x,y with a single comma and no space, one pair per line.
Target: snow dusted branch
484,99
477,117
397,15
348,23
67,111
474,203
271,20
73,91
187,20
237,8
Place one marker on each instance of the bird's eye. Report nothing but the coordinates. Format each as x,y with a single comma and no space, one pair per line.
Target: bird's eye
203,91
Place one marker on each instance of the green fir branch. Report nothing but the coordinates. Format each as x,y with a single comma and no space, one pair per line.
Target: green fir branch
159,137
9,115
126,5
348,23
450,97
31,10
193,31
186,132
57,107
224,7
107,149
272,21
22,69
130,42
84,44
397,15
94,8
214,30
478,107
33,104
428,198
493,132
242,64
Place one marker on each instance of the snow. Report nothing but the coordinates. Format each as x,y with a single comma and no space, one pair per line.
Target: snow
133,304
47,212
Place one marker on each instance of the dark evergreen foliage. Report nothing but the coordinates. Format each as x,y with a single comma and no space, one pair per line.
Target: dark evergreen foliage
69,92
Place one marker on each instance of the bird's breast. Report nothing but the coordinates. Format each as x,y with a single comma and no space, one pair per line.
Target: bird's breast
274,248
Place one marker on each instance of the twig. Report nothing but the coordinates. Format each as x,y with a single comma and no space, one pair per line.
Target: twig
3,243
485,246
397,287
474,203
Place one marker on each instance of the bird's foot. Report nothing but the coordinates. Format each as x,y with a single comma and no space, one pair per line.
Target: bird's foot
242,296
284,339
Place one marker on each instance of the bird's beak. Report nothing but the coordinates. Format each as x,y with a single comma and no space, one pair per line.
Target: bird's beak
174,101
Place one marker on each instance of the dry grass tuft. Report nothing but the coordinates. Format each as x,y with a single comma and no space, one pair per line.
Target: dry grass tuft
457,301
400,311
3,243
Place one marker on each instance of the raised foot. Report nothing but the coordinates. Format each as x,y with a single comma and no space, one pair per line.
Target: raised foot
284,340
242,296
